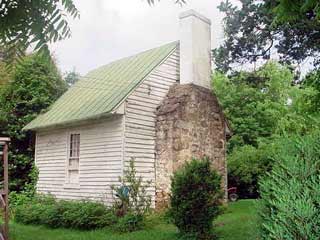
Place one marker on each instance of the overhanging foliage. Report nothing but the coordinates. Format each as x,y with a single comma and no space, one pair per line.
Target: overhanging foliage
36,22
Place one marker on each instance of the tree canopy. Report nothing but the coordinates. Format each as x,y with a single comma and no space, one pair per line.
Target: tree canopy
35,22
296,10
71,77
257,30
4,75
254,101
175,1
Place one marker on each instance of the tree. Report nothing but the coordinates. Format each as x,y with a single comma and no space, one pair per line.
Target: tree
254,101
4,75
294,11
35,84
151,2
246,165
35,22
312,80
262,107
257,28
4,71
72,77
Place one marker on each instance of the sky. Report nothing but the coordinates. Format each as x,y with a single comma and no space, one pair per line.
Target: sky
112,29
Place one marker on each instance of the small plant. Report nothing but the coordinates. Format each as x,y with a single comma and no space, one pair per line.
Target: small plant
290,193
132,202
121,204
195,199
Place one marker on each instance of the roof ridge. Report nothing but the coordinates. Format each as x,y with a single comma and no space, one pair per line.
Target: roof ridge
133,55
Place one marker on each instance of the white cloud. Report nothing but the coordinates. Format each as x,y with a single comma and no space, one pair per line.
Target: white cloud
112,29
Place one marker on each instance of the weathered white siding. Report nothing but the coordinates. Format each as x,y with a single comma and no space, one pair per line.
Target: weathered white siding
140,117
100,164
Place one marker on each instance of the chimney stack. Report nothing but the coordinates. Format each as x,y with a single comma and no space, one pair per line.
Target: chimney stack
195,49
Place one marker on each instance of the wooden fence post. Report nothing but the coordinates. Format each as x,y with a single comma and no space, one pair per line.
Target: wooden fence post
4,196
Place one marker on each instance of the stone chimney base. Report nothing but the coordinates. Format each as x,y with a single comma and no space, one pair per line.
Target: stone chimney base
190,124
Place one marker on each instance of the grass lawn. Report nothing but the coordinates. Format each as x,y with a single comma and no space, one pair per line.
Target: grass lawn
238,222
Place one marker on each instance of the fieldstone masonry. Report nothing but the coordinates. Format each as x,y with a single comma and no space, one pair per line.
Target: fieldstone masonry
190,124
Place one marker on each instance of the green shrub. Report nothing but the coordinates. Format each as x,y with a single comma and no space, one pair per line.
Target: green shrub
290,193
44,210
30,210
132,203
129,223
246,164
87,215
30,213
196,196
52,215
17,199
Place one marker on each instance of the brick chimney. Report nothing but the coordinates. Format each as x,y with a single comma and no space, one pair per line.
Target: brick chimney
195,49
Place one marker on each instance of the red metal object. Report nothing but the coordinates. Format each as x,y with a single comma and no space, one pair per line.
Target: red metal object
232,190
232,194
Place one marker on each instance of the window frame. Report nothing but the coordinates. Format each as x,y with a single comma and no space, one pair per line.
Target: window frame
69,157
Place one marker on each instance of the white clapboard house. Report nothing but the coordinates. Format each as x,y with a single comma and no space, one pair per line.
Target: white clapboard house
87,137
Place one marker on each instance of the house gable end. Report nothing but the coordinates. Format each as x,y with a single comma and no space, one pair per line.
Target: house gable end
140,117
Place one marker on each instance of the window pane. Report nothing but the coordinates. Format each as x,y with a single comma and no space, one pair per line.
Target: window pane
73,159
74,145
74,162
73,176
71,147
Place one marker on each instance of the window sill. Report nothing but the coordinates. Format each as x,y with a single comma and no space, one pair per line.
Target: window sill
71,186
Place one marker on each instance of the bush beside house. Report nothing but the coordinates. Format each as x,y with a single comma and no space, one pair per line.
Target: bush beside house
127,214
45,210
196,196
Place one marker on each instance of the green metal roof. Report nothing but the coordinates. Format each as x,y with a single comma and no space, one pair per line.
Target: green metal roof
100,92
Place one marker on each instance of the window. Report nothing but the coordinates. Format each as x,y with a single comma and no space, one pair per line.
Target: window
73,159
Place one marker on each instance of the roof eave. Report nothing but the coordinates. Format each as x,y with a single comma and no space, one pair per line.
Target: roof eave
74,122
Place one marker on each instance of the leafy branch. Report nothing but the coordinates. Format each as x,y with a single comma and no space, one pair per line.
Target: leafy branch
34,23
181,2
